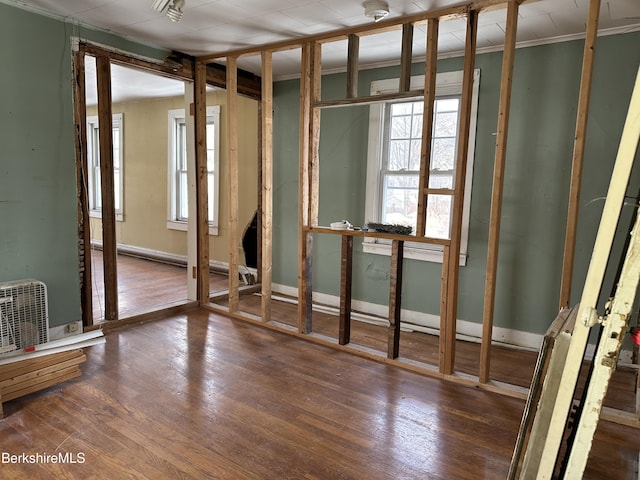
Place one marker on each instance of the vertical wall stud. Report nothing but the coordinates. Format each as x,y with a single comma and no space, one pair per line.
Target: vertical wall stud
498,184
267,184
448,331
82,181
202,201
405,57
578,152
431,66
232,168
353,53
105,125
395,298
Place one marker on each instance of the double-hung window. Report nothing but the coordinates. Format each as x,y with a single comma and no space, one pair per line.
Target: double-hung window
393,169
178,208
93,161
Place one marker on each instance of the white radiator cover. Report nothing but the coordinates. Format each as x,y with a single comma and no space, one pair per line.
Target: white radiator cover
24,317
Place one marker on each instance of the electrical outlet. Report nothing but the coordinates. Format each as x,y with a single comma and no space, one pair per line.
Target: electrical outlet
71,327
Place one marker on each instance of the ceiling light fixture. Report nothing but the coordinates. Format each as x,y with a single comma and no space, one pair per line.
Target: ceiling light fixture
376,9
174,12
174,8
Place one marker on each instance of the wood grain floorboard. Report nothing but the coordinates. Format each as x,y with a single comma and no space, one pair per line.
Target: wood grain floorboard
144,285
201,396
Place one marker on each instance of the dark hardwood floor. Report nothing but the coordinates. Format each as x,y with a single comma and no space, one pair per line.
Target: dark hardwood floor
200,396
144,285
203,396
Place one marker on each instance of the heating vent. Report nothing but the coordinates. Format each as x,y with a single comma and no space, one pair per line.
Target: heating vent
24,318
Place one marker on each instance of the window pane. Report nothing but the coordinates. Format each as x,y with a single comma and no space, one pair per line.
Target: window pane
98,190
440,180
398,154
116,147
400,202
181,146
401,127
211,137
414,156
446,124
438,216
96,148
211,197
447,105
210,161
416,127
116,189
401,109
183,196
404,139
211,147
443,154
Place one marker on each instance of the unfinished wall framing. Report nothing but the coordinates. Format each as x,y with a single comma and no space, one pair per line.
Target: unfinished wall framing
311,106
175,66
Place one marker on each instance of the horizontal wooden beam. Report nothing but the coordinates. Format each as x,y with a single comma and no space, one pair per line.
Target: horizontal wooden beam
365,29
179,66
369,99
388,236
341,34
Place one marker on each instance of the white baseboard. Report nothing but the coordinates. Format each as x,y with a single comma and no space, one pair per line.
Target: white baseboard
67,330
170,258
424,322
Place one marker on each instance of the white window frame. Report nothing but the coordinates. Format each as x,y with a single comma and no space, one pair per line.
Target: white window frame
447,83
93,163
176,117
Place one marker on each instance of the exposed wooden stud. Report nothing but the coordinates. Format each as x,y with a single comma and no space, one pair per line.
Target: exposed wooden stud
405,57
395,298
267,184
498,184
448,334
353,54
200,101
103,74
578,152
305,239
346,277
192,192
259,188
430,72
444,291
82,182
232,169
314,134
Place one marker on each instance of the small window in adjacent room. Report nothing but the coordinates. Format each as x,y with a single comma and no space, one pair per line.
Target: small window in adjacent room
178,207
393,168
93,160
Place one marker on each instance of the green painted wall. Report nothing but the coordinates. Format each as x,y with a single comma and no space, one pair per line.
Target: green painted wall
38,215
543,112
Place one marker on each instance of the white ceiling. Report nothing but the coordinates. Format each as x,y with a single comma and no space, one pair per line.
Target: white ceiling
213,26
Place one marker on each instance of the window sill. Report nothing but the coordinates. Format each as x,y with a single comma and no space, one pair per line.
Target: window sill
182,226
410,251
